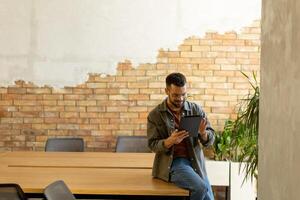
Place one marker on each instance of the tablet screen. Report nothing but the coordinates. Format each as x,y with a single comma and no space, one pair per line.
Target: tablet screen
190,124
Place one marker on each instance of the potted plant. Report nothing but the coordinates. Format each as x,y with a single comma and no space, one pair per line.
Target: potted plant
222,146
245,131
238,142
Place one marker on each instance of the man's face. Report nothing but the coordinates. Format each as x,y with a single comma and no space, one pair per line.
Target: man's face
176,95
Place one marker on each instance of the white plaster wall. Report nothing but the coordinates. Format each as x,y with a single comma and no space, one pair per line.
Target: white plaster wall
58,42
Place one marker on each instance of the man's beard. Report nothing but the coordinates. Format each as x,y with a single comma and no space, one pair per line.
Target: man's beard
177,104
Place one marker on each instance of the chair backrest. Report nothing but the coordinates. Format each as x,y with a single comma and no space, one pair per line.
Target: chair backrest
58,190
138,144
65,144
11,191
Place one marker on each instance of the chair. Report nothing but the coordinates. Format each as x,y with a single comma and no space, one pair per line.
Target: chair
65,144
138,144
58,190
11,191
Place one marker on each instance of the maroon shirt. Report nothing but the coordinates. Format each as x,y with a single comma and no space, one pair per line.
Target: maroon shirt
180,150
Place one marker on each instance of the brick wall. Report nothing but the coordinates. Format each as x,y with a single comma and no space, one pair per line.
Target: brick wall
107,106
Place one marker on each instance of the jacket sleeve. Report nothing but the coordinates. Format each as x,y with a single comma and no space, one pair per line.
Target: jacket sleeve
155,140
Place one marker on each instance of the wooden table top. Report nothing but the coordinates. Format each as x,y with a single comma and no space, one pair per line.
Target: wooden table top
86,173
91,180
78,159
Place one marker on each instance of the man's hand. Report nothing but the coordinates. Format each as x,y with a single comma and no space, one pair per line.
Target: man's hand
202,128
175,138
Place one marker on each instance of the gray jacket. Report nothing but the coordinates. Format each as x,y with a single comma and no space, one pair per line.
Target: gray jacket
159,127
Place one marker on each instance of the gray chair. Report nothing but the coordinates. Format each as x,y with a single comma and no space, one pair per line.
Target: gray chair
58,190
138,144
65,144
11,191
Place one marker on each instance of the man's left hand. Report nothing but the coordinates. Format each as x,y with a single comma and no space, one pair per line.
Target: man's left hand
202,129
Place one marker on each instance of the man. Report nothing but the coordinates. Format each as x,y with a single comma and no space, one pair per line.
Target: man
179,158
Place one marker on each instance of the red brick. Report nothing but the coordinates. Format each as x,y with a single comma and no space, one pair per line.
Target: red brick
89,127
33,120
48,102
109,115
68,114
185,48
224,73
248,49
138,85
25,103
82,91
239,42
16,90
129,115
129,127
75,108
97,97
108,126
11,120
96,85
88,115
53,96
105,91
137,109
3,90
49,114
99,121
5,114
6,102
230,67
44,126
138,97
134,72
193,54
26,114
118,97
117,85
60,120
54,108
68,126
74,97
62,90
117,109
179,60
155,72
148,103
38,90
150,91
202,60
191,41
224,48
86,103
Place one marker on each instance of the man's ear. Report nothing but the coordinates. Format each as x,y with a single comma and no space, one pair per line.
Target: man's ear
166,91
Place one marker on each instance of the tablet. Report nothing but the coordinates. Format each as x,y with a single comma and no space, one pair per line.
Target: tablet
190,124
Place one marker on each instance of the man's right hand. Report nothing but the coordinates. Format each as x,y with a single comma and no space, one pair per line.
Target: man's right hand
175,138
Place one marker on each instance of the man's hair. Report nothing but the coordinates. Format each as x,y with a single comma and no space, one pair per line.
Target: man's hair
177,79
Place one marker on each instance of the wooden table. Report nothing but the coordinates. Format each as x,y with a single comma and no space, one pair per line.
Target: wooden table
78,159
87,173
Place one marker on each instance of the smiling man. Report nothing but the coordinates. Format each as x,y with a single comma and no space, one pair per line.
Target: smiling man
179,158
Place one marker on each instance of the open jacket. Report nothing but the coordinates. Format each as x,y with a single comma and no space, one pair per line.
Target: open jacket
160,124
